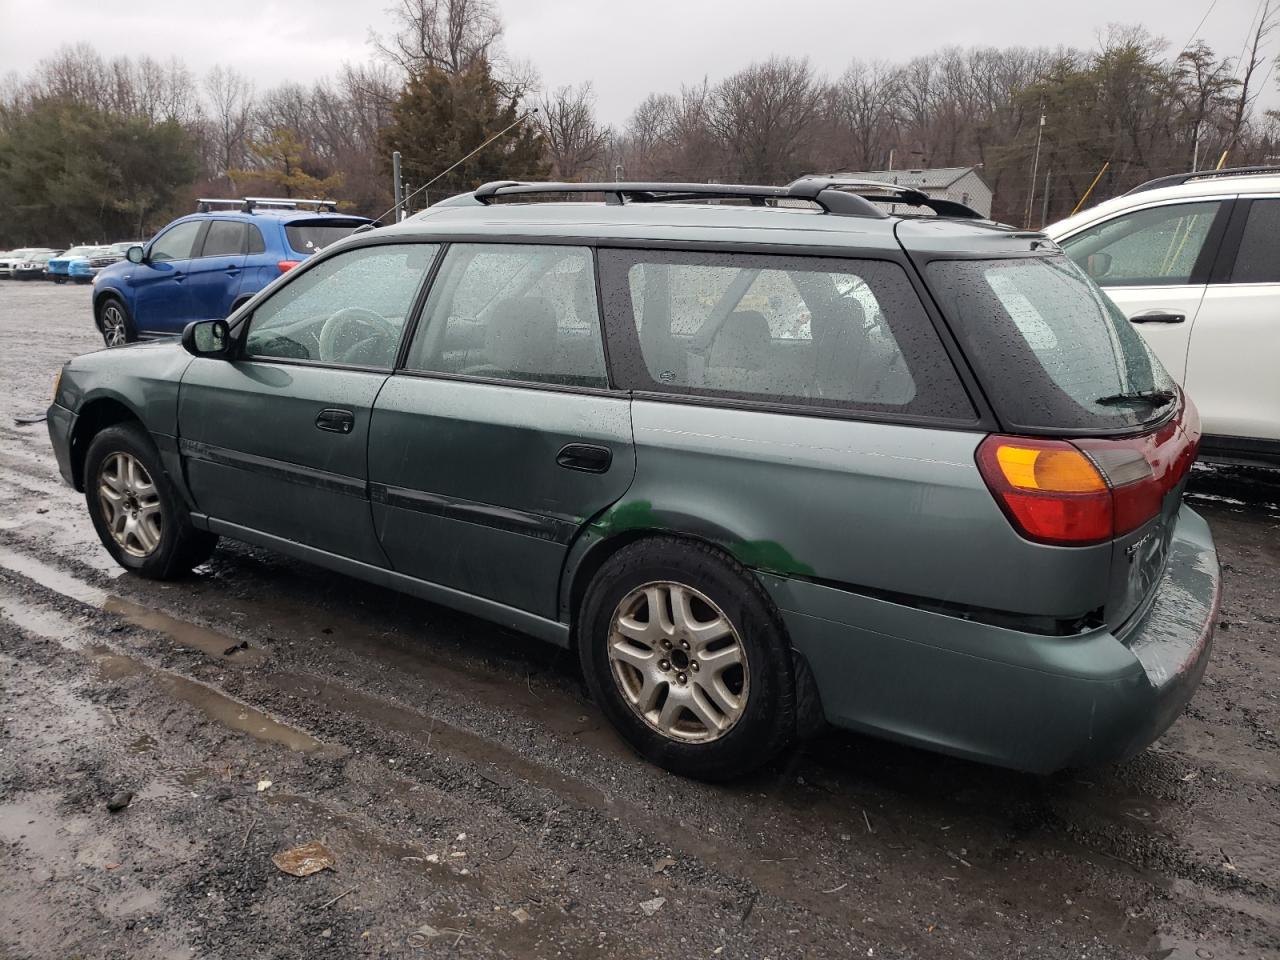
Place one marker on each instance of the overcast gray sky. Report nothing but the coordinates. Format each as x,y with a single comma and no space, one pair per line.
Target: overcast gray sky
625,49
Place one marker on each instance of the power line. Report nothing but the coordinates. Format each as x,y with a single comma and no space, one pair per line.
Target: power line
1196,32
1247,34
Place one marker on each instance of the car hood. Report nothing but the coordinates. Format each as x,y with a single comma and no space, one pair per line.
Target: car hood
115,271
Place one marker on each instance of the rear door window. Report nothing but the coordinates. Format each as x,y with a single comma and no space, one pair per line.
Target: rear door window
1051,348
225,238
513,312
1258,260
308,236
849,334
1158,246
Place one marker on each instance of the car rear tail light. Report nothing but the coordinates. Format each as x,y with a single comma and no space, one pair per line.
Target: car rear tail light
287,265
1088,491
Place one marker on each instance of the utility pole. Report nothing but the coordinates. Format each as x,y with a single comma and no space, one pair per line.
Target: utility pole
1195,149
1044,207
398,185
1035,167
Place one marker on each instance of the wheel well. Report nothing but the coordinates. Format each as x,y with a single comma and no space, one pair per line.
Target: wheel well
94,417
598,555
97,306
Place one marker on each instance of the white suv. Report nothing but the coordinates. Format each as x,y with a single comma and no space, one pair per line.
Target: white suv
1194,260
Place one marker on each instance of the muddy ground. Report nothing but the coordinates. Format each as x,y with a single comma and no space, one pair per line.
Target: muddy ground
477,805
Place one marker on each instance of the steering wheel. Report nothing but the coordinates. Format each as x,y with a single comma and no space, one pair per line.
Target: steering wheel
349,321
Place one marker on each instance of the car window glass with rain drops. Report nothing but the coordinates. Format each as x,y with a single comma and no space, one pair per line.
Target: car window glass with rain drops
839,333
349,309
1158,246
513,312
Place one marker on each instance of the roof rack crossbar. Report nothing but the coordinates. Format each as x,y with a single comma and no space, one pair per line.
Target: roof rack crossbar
841,197
247,204
1178,179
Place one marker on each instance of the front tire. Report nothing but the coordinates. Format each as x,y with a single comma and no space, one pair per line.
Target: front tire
114,322
686,656
138,513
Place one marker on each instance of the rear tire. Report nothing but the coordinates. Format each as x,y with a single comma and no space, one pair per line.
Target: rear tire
684,653
114,322
138,513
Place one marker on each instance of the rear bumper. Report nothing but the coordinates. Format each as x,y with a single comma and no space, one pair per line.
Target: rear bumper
1027,701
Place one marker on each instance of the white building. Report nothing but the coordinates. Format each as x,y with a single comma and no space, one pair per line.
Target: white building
961,184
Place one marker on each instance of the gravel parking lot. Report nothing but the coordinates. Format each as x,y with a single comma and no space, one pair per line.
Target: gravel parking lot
477,805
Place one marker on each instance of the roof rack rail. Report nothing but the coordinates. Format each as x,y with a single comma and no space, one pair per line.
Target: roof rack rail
847,198
1177,179
247,204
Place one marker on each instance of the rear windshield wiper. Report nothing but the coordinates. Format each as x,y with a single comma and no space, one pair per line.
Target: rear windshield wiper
1156,398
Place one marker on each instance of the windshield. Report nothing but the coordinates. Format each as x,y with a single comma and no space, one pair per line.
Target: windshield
1051,348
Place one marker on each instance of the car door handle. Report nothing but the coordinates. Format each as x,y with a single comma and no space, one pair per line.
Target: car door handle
586,457
1158,316
233,271
336,421
179,277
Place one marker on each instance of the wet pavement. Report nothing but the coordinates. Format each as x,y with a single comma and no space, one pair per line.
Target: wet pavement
477,805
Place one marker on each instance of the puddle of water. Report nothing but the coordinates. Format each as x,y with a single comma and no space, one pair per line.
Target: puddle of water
215,705
144,744
52,578
179,631
44,623
182,632
33,824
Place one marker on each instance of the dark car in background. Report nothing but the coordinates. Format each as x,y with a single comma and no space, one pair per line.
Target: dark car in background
205,265
760,455
34,267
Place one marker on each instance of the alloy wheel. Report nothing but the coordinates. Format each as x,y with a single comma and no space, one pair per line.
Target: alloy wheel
130,504
678,662
114,331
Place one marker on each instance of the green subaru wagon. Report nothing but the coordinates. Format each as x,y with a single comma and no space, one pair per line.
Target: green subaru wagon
764,457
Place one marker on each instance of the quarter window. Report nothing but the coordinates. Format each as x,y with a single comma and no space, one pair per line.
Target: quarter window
1158,246
513,312
349,309
176,242
256,243
1259,258
224,239
819,332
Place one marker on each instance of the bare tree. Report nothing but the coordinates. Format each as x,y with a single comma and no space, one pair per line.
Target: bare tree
764,118
1267,18
576,141
230,126
449,35
862,111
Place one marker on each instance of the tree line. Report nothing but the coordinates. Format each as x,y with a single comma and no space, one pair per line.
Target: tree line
97,148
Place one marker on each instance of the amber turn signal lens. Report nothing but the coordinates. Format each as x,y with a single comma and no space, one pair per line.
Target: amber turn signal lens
1049,470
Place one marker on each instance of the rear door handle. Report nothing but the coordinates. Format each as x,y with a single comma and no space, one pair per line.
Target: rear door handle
1158,316
179,277
336,421
586,457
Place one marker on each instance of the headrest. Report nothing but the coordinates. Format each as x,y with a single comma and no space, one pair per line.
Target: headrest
522,335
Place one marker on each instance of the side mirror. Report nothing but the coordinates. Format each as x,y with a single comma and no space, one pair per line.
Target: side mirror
1098,265
206,338
134,254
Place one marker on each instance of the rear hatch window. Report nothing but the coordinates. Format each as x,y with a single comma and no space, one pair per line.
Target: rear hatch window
1053,352
308,236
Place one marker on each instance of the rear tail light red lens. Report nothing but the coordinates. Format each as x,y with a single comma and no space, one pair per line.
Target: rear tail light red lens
287,265
1088,491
